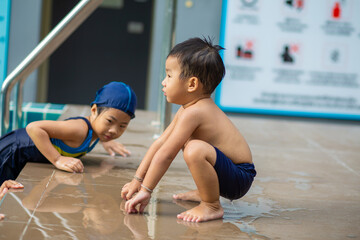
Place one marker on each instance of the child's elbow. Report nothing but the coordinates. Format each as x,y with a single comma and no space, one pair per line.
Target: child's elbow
31,128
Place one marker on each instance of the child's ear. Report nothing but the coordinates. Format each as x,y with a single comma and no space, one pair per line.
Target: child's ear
93,109
193,84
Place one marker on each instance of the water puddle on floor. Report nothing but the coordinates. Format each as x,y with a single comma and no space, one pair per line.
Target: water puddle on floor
239,216
243,214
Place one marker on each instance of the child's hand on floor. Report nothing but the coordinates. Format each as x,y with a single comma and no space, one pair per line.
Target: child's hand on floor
142,198
113,147
9,184
130,188
69,164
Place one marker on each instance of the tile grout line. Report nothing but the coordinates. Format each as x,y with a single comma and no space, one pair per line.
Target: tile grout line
45,110
37,205
337,160
27,211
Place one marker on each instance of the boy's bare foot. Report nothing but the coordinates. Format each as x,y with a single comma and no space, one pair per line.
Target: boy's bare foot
188,196
203,212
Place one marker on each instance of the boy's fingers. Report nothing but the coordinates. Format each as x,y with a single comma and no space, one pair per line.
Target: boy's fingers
125,190
16,184
67,168
132,207
111,152
129,194
80,166
3,192
70,167
142,207
122,151
12,184
77,166
127,206
124,194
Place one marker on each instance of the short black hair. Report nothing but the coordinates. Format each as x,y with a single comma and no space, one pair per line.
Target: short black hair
200,58
101,109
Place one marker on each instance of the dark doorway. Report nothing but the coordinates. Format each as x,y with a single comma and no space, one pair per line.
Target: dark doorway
111,45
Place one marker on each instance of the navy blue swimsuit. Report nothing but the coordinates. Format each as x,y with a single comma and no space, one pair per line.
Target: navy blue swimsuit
17,148
234,179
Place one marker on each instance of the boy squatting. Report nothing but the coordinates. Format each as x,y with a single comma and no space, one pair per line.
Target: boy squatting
215,152
63,142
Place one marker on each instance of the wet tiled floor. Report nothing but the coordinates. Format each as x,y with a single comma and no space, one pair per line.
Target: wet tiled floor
307,187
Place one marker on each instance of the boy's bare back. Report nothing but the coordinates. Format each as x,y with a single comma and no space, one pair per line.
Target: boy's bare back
214,127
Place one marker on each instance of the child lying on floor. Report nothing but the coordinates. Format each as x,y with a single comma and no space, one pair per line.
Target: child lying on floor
63,142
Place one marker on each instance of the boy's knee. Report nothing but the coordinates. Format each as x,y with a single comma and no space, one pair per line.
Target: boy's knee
194,150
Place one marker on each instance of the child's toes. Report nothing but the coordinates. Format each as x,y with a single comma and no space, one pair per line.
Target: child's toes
188,218
196,219
185,217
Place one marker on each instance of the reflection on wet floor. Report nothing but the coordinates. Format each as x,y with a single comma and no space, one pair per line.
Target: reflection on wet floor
80,206
307,187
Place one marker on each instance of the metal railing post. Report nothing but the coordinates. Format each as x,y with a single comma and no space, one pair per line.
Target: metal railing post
168,43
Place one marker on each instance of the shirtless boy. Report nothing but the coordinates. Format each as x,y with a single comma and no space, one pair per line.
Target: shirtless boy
215,152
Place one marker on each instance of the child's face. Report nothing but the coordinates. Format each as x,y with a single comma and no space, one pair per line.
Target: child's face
174,88
109,124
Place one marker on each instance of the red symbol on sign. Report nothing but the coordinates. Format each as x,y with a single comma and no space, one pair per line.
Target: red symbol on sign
246,53
336,11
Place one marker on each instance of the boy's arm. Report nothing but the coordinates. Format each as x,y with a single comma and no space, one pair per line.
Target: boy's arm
41,132
182,131
130,188
184,128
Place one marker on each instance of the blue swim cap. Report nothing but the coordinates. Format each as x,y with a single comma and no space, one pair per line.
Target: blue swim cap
116,95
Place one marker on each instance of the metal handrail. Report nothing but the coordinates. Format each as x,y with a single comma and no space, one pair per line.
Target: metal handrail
41,52
168,43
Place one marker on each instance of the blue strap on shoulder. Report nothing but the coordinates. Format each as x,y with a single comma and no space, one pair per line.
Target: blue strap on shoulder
84,147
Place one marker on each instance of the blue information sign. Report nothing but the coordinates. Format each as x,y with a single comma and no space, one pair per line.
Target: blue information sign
291,57
4,36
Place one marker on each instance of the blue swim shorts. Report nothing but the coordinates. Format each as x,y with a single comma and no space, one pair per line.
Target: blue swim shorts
234,179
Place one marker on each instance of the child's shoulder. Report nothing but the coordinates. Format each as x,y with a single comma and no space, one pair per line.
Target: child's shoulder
198,110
